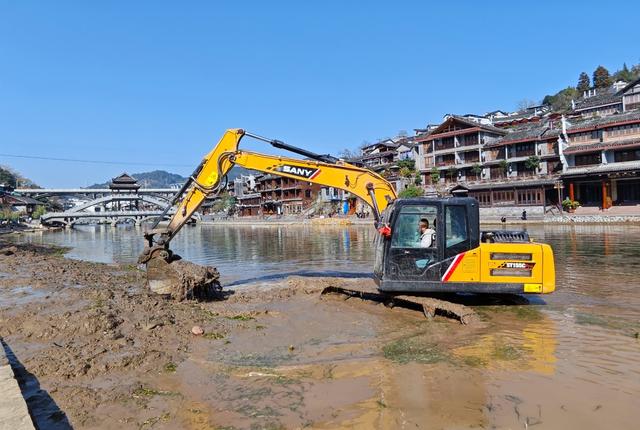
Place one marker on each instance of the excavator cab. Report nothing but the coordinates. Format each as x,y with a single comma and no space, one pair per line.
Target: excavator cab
454,258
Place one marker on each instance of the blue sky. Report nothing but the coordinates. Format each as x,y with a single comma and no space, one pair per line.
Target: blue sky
157,82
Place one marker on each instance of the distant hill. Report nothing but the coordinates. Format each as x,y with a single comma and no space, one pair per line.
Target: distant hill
155,179
164,179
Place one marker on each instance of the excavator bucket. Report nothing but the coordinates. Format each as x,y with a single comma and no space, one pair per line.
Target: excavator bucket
169,275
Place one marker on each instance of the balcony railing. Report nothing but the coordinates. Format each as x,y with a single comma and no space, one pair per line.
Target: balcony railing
526,153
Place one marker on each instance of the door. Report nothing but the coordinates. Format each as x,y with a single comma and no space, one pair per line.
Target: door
415,250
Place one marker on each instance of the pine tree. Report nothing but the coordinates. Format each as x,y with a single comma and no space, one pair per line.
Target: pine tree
624,74
601,78
583,83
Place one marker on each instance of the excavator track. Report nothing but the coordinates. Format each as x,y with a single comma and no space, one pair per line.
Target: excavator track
429,306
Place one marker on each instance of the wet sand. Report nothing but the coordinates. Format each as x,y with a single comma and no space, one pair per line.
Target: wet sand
98,351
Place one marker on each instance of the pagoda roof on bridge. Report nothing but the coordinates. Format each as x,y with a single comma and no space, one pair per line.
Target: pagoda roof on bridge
124,182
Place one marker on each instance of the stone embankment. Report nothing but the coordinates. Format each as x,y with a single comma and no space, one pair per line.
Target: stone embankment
593,219
13,408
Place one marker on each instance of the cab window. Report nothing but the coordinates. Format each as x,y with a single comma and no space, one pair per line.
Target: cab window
457,234
407,229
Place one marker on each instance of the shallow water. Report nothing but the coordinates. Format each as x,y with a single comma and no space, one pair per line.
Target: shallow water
573,362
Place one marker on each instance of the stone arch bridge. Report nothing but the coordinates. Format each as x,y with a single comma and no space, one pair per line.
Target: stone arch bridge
107,206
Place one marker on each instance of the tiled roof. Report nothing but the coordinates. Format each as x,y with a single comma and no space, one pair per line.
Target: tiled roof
610,119
23,200
604,168
463,120
607,98
516,116
374,155
382,143
531,132
601,145
629,86
124,178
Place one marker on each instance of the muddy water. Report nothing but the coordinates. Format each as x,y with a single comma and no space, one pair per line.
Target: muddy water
571,360
263,250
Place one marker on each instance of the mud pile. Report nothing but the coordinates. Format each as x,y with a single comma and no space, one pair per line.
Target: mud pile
183,280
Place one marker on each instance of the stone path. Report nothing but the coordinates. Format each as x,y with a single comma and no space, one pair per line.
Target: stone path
14,414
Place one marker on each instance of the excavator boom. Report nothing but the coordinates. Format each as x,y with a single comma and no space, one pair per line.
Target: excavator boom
208,180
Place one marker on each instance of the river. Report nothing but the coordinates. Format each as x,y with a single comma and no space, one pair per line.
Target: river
582,351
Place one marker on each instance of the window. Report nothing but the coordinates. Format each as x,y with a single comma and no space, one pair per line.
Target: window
407,227
626,155
587,159
483,197
456,225
524,149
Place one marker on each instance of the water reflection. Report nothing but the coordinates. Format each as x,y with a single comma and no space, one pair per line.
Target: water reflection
239,252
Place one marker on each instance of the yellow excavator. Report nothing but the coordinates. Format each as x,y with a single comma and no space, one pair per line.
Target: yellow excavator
456,258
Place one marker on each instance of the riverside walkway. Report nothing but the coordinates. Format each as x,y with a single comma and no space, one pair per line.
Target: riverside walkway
14,413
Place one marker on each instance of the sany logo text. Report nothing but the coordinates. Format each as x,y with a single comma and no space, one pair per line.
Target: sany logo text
300,171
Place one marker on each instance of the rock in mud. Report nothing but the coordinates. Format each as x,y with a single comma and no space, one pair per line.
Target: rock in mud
197,330
9,250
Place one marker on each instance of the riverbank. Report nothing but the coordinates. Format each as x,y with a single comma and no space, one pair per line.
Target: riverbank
102,352
98,351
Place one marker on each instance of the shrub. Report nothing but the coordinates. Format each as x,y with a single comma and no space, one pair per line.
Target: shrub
411,191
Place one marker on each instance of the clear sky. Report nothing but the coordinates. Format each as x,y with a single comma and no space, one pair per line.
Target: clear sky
157,82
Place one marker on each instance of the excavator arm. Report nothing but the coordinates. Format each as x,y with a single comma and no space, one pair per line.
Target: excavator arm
209,179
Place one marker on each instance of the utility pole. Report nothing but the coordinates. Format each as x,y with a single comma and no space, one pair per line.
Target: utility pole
559,186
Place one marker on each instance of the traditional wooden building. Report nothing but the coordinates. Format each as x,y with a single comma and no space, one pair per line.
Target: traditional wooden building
124,184
248,201
602,160
521,168
454,149
285,196
598,102
377,156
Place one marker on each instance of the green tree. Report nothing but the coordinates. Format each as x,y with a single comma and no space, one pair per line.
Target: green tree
7,214
624,74
601,78
452,172
476,169
532,162
635,72
7,177
411,191
408,163
583,83
38,212
504,165
435,175
561,101
418,179
224,203
405,172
